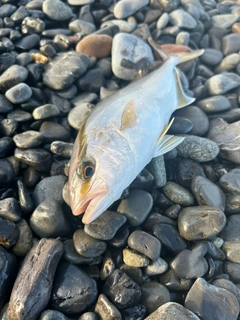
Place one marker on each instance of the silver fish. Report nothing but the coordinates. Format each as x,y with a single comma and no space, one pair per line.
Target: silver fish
122,134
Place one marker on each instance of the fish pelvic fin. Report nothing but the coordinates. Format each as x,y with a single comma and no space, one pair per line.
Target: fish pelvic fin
166,144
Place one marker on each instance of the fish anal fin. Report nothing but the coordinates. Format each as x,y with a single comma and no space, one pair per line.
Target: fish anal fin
129,116
166,144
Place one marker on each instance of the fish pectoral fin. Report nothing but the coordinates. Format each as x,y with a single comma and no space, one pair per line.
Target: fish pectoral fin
166,143
129,116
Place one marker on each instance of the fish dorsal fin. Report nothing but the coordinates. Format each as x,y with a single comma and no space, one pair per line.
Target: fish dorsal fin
105,92
146,70
129,116
167,143
182,99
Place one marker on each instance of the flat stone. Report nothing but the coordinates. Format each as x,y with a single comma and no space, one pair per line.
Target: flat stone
57,10
98,46
126,8
14,75
178,194
28,139
46,111
230,43
134,259
231,232
106,310
19,93
182,19
230,181
52,131
228,63
79,114
214,104
224,20
222,83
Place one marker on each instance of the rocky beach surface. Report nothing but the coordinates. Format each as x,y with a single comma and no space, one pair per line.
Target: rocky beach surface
170,247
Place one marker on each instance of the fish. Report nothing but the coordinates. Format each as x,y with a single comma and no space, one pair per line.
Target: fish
123,133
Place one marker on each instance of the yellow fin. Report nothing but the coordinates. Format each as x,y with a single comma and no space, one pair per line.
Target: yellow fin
129,116
165,130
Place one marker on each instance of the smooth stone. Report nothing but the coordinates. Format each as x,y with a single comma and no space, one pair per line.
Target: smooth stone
10,209
122,291
38,158
174,283
7,10
198,149
154,295
232,250
31,177
129,54
222,83
19,115
173,211
228,285
24,59
33,25
91,81
180,126
156,267
25,239
157,168
67,297
120,238
169,310
233,204
136,206
7,173
8,127
178,194
134,259
55,75
169,237
52,314
190,264
156,218
138,312
224,20
6,146
79,2
197,117
211,302
25,199
28,299
105,226
231,43
182,19
228,63
49,187
231,232
199,223
122,25
214,104
70,254
82,27
230,182
152,246
5,105
163,20
126,8
8,233
108,266
98,46
106,310
48,220
236,27
186,170
207,193
183,38
89,316
52,131
56,10
133,272
19,93
227,137
28,42
79,114
28,139
211,57
14,75
46,111
232,269
63,149
87,246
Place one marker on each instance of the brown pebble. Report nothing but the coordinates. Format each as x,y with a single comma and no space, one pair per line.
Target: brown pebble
236,27
39,58
98,46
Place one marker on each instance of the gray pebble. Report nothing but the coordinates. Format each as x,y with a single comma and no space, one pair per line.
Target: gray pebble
87,246
174,283
106,310
91,81
228,63
7,173
186,170
108,266
82,27
214,104
55,75
232,269
180,126
38,270
8,233
163,21
49,187
231,232
57,10
28,139
228,285
233,204
230,182
63,149
124,26
19,115
222,83
5,105
12,76
183,38
28,42
8,127
129,53
127,8
209,301
48,220
199,223
90,315
52,314
156,267
105,226
52,131
134,259
182,19
232,250
10,209
45,111
25,239
79,113
198,149
169,310
178,194
224,20
136,206
231,43
157,168
25,200
227,137
211,56
207,193
19,93
70,254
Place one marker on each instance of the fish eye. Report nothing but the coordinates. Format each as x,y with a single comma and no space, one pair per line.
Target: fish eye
86,169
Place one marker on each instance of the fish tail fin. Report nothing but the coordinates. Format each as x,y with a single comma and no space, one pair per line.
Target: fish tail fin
179,57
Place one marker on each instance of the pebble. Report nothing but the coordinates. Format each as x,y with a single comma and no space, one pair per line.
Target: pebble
178,194
136,206
52,314
96,45
28,42
66,296
214,104
123,26
122,291
222,83
151,248
186,170
56,10
207,193
49,188
37,271
28,139
231,232
8,127
82,27
127,8
182,19
79,113
19,93
5,105
228,63
200,223
157,168
25,200
233,204
105,226
19,115
163,21
224,20
211,57
106,310
25,239
7,173
91,81
231,249
169,310
198,148
226,136
230,182
63,149
209,301
70,254
230,44
232,270
236,27
87,246
134,259
129,54
55,75
154,295
46,111
14,75
10,209
8,233
52,131
180,126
